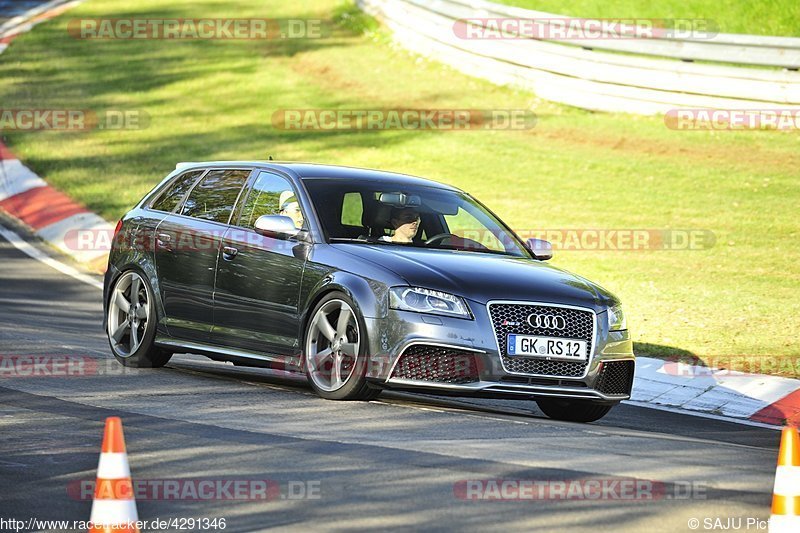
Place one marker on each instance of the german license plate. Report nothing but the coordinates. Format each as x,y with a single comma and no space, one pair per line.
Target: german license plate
549,347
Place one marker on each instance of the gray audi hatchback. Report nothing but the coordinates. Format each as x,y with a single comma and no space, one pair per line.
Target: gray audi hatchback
363,280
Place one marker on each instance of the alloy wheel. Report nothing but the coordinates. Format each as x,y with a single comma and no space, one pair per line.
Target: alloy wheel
332,345
128,314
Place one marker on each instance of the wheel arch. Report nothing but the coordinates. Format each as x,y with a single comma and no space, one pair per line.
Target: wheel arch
370,298
148,272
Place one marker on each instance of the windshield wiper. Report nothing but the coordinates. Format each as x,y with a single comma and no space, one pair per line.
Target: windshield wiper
370,240
472,250
348,239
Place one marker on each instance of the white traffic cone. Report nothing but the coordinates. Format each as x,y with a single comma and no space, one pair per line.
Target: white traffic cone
786,496
114,506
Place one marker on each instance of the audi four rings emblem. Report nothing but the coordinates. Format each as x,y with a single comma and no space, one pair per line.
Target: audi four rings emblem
547,321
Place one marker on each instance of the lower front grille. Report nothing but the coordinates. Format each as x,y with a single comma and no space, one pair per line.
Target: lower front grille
522,365
548,382
438,364
616,377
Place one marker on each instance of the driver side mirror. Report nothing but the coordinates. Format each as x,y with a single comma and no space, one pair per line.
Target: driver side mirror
541,249
276,226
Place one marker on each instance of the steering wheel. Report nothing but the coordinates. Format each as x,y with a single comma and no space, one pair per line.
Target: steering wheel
437,239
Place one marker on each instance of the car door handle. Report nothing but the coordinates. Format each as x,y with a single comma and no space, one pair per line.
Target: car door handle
163,240
229,252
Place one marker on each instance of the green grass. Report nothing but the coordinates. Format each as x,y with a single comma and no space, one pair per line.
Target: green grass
576,169
764,17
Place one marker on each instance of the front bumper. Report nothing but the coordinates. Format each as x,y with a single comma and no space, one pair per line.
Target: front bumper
479,370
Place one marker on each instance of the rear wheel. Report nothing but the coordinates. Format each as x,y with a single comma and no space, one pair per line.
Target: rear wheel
132,323
336,350
573,410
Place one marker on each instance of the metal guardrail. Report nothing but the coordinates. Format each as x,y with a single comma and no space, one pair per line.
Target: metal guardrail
634,75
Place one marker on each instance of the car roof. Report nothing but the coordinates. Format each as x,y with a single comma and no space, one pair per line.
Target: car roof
313,170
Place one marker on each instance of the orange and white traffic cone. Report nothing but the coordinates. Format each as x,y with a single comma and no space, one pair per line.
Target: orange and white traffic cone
786,496
114,506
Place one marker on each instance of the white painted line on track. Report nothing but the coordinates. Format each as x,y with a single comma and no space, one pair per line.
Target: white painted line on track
31,251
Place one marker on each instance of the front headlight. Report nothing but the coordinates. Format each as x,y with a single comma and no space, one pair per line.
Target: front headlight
428,301
616,318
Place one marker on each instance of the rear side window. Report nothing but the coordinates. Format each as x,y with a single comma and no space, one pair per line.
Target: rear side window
214,196
170,198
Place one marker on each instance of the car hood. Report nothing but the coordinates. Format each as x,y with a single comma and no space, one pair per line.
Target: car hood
483,277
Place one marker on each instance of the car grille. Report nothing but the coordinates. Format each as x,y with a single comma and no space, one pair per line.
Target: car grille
424,362
616,377
513,318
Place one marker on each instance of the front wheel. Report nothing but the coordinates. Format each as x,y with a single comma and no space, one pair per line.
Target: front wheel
573,410
132,323
336,350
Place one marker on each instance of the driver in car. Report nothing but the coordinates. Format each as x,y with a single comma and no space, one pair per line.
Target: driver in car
290,207
405,223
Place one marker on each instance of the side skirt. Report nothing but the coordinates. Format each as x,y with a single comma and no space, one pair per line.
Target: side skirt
237,356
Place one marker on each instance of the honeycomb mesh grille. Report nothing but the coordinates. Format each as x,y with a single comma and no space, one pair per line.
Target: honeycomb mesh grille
616,377
513,318
423,362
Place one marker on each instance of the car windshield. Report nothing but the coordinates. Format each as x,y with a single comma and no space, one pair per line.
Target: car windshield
378,212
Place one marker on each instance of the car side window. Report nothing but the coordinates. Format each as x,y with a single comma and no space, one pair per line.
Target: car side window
173,195
271,195
213,198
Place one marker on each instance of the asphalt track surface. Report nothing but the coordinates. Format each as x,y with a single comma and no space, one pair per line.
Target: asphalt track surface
396,463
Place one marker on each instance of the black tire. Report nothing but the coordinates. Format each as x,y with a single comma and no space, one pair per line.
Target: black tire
573,410
355,386
146,354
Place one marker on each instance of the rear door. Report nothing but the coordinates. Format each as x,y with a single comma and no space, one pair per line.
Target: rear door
187,245
258,277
